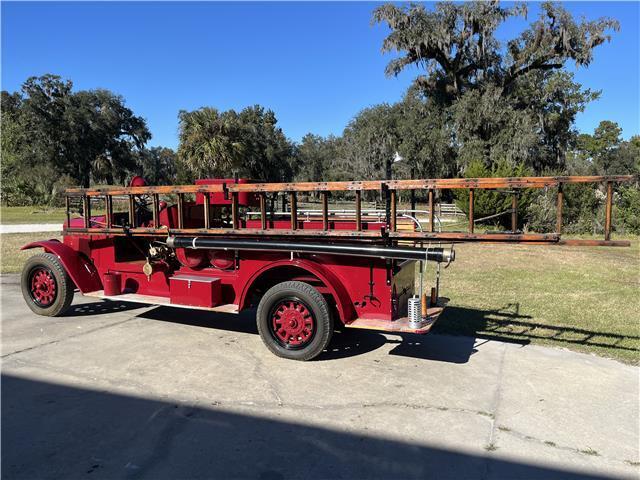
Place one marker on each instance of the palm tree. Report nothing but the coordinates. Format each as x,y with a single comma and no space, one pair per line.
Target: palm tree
208,145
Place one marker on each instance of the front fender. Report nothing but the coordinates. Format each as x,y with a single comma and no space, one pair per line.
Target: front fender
81,271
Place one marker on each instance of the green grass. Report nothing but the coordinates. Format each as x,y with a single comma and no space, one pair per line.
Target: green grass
12,258
582,298
31,215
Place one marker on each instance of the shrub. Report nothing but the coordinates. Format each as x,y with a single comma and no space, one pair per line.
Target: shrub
628,209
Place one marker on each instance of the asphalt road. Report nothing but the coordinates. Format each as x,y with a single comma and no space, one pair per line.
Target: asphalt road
116,390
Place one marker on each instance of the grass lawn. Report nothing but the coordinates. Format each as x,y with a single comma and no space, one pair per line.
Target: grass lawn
12,257
31,215
582,298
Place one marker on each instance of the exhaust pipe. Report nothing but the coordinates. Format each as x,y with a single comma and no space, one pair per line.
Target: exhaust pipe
436,254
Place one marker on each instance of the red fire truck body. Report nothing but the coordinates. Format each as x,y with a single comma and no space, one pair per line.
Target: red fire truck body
216,246
309,287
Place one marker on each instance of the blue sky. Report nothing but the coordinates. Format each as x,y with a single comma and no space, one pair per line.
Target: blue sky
315,64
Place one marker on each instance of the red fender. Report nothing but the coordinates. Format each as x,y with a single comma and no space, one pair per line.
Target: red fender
81,271
333,283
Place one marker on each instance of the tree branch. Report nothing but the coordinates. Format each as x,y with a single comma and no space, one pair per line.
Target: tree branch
536,65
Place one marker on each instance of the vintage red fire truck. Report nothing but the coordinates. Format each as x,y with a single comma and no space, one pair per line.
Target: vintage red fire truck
219,245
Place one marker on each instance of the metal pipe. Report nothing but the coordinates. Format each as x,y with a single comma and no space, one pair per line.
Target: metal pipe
400,253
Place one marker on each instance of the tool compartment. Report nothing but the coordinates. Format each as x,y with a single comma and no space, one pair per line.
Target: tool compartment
195,290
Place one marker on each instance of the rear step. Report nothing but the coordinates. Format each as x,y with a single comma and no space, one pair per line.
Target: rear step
401,325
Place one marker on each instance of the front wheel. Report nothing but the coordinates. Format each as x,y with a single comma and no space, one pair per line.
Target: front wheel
46,286
294,321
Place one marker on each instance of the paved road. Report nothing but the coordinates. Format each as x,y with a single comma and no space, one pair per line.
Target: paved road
31,227
114,390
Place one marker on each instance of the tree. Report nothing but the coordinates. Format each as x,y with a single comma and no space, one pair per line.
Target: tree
370,141
425,138
457,46
208,145
52,137
158,165
501,102
104,137
313,157
605,153
248,143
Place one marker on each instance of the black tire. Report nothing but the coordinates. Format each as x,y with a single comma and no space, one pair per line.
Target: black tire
58,299
309,305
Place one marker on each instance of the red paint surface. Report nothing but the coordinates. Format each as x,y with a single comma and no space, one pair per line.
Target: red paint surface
82,272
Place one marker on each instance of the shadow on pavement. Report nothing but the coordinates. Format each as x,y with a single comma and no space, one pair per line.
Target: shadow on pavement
99,307
55,431
345,342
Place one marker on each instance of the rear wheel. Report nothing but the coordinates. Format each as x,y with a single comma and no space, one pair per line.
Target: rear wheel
294,321
46,286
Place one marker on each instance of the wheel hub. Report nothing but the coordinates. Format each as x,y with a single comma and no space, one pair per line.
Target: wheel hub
293,323
43,287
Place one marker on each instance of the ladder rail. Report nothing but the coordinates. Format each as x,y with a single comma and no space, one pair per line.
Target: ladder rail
389,231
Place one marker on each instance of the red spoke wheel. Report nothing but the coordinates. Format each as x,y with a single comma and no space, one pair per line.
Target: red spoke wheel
46,286
294,321
43,286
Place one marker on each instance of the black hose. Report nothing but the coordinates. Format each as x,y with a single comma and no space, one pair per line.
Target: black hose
437,254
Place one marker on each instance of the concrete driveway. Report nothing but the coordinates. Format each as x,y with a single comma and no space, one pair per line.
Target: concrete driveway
30,227
116,390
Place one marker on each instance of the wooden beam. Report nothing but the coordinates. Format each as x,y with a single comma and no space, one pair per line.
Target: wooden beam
503,182
206,205
431,211
514,212
393,214
293,200
559,202
108,200
325,210
86,210
477,237
263,210
235,221
181,210
132,212
306,186
67,206
607,211
148,190
471,202
372,235
367,234
442,183
573,242
358,210
155,210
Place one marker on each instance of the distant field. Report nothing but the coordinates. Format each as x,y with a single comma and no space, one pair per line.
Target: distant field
581,298
31,215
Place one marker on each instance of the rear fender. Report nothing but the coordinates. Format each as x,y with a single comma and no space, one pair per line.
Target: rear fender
344,305
79,268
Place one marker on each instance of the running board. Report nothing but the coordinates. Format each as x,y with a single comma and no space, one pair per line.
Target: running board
159,301
401,325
